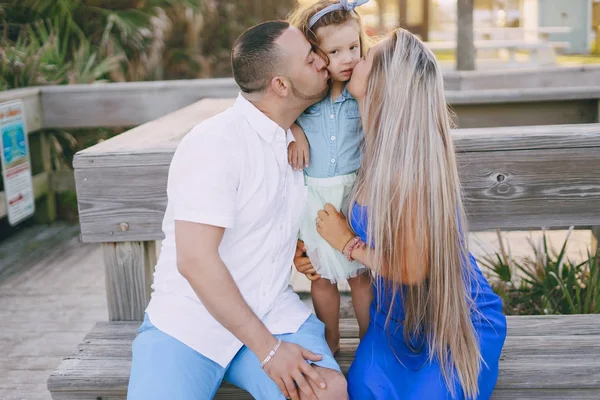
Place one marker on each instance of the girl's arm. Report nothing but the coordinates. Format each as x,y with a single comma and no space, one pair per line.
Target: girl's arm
298,151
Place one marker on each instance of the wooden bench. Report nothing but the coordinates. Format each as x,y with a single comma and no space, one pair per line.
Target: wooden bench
513,178
545,357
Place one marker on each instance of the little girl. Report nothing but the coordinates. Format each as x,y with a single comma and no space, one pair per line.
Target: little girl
332,128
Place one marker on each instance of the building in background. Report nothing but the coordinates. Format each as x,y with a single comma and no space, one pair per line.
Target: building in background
436,19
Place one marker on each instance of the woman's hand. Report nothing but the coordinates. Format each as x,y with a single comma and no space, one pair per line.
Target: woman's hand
333,227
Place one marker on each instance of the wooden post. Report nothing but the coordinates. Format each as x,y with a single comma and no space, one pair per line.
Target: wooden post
41,160
465,45
129,267
596,229
47,164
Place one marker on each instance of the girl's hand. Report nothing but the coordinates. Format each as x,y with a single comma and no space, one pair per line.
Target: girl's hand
333,227
303,264
298,151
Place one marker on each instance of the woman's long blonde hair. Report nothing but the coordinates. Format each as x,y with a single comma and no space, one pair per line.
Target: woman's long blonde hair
417,225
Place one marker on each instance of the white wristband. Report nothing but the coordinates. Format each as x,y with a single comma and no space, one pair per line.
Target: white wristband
271,354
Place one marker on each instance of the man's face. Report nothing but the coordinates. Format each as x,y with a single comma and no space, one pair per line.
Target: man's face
305,69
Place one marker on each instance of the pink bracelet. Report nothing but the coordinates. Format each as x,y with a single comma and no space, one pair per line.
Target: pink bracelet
354,243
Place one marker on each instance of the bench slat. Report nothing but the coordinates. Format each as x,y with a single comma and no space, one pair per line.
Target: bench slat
544,357
534,325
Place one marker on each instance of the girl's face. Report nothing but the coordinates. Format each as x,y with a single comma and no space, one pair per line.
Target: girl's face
360,78
341,43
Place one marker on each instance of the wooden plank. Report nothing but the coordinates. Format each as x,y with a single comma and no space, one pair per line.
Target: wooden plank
542,354
527,137
526,325
525,113
32,103
129,268
112,374
227,392
520,95
157,140
531,349
525,78
135,103
46,212
549,187
534,325
529,188
125,104
545,394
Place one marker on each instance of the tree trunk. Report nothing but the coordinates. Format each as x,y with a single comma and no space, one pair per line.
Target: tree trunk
465,47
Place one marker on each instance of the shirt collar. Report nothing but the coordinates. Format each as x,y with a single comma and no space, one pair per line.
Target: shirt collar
263,125
344,96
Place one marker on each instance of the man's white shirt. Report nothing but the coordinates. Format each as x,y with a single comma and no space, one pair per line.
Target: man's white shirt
232,171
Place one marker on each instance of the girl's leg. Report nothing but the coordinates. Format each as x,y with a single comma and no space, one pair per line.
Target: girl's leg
326,300
362,296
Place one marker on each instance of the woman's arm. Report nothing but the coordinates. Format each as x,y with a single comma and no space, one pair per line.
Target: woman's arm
334,228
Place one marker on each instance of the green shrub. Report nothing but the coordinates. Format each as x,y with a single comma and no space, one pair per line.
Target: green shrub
546,283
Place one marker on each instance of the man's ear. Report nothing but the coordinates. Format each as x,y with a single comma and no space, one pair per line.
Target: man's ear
280,85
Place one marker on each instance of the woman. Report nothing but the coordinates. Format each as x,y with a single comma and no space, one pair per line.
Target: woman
436,328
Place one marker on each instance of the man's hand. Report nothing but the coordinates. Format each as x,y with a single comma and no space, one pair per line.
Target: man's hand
303,264
289,368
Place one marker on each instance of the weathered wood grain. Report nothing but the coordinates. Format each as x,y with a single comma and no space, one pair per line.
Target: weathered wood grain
129,267
572,76
526,138
512,178
542,355
125,104
511,112
34,114
535,325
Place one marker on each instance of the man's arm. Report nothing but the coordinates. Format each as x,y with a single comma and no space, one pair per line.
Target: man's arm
199,262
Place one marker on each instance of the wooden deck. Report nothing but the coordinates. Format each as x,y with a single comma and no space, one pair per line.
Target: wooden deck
52,294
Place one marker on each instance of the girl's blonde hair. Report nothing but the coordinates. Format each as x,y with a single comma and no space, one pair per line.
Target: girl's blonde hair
301,15
417,224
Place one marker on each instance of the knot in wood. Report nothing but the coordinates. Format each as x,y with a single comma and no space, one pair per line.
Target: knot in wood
124,226
500,177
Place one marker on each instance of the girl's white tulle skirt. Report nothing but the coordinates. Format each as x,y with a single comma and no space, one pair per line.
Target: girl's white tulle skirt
327,261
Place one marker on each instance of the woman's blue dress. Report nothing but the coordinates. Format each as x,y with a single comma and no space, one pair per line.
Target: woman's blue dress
385,367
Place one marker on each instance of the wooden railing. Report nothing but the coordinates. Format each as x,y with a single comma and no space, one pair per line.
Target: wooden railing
528,103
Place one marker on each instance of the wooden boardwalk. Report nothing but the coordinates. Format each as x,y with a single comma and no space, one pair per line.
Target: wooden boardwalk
48,303
52,293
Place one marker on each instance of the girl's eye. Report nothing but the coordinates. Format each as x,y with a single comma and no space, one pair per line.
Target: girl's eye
333,52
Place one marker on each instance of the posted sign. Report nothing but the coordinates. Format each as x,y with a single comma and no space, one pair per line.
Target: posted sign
16,166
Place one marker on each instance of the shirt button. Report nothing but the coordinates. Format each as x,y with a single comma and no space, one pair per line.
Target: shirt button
332,116
264,294
333,160
333,138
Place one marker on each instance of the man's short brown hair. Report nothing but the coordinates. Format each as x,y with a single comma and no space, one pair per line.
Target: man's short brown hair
255,57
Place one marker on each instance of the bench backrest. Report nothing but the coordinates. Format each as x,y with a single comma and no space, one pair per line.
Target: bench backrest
513,177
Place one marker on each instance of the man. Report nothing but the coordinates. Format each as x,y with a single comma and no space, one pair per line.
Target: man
222,307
